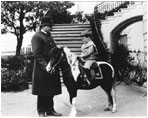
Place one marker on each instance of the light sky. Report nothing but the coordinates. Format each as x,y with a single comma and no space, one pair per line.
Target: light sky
87,7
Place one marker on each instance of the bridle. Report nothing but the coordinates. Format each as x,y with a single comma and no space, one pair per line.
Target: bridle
53,68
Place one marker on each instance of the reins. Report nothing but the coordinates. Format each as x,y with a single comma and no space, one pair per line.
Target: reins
66,68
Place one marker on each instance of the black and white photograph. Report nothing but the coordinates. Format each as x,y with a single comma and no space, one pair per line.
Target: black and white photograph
74,58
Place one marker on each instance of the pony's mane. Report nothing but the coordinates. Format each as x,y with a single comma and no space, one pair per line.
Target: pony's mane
72,60
71,57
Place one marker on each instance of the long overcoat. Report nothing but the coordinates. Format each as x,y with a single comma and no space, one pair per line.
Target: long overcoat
44,83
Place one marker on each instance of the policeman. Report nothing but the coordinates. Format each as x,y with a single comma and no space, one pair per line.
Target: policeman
44,85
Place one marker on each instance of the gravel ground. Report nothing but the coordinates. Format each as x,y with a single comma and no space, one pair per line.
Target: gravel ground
90,103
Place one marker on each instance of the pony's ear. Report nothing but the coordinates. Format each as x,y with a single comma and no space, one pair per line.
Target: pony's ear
62,47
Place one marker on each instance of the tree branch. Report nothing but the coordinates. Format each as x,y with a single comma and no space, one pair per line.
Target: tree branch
9,22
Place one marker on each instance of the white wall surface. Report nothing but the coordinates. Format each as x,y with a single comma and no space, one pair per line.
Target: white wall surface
135,36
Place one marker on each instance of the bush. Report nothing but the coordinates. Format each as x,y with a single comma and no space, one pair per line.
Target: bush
13,80
121,61
16,71
126,68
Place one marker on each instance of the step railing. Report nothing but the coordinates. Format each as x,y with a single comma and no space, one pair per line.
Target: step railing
98,39
108,6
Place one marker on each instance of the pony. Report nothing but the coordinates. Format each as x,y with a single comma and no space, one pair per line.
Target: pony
71,72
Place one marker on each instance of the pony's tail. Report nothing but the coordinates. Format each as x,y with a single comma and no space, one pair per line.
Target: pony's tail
113,76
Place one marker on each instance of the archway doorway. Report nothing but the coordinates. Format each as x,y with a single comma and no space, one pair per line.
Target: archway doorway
115,34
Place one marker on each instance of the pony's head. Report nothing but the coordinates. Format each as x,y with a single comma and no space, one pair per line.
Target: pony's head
56,57
59,55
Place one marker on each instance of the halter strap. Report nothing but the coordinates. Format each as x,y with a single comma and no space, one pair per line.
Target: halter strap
58,61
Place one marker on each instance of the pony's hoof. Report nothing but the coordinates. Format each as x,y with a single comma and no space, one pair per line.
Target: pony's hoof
114,110
107,109
72,115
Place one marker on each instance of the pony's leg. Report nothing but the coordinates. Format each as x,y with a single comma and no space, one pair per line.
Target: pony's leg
113,94
73,111
111,100
109,105
108,90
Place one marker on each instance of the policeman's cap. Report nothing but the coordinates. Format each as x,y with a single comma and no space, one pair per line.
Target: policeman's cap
47,21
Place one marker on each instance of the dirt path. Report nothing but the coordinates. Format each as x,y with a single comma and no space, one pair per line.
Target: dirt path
90,103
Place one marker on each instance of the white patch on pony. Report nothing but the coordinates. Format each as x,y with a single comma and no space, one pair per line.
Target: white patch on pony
72,60
48,67
73,111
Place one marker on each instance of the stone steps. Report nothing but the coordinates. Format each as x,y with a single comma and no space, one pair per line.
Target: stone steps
68,35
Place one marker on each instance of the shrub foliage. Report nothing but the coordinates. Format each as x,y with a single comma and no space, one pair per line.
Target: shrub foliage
16,72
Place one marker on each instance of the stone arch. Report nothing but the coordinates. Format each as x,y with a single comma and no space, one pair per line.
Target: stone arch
115,33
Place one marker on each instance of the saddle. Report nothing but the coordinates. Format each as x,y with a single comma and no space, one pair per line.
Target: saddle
91,74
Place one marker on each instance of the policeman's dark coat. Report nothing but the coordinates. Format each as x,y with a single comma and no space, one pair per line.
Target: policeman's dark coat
44,83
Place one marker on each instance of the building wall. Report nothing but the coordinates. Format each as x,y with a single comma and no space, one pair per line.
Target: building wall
134,34
145,26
